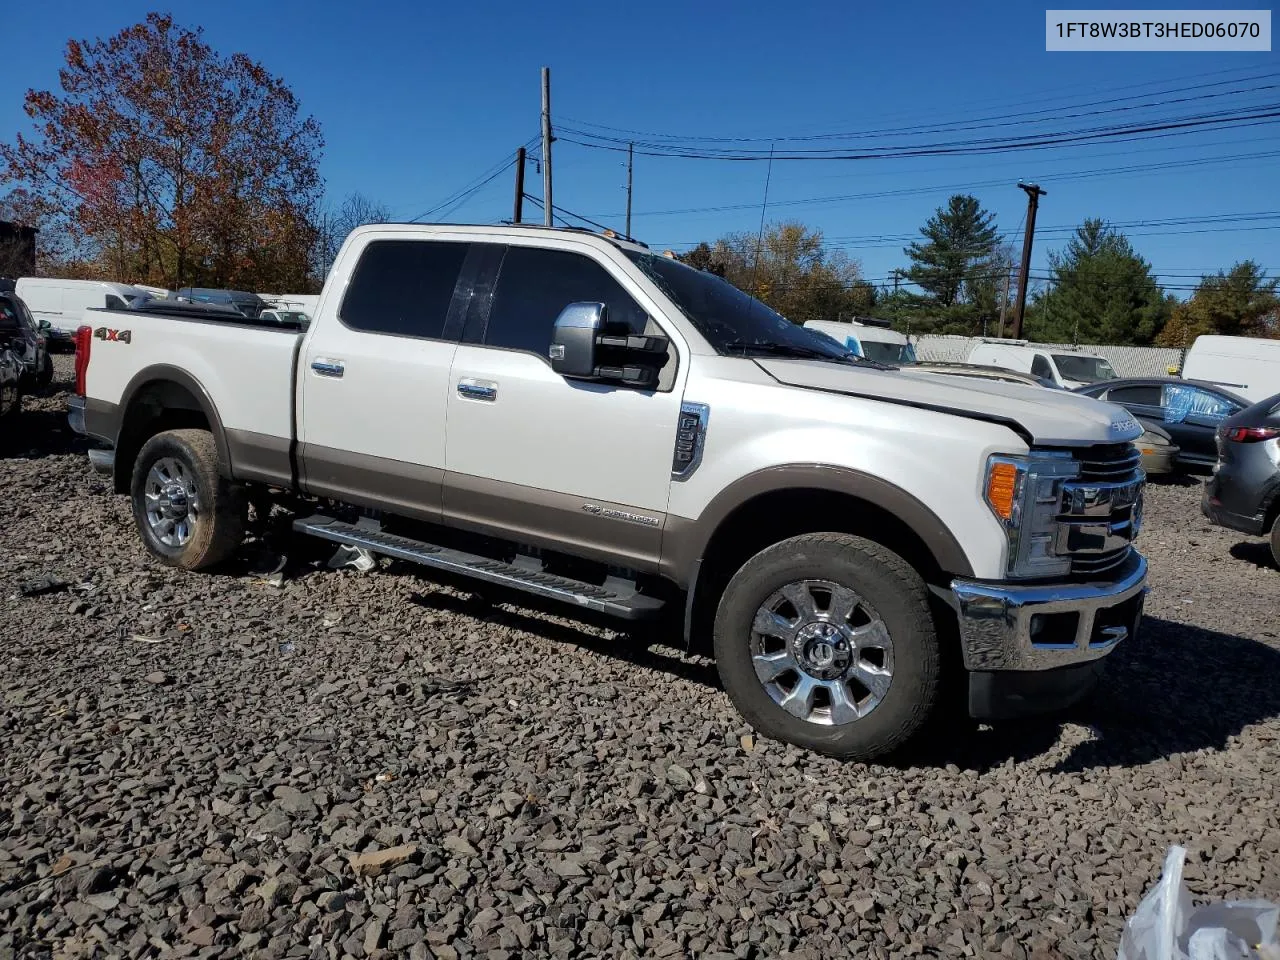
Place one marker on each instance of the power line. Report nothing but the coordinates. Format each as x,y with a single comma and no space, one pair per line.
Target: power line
460,196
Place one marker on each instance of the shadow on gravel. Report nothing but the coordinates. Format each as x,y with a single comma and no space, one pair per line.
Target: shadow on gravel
639,650
1177,690
1176,480
35,434
1256,552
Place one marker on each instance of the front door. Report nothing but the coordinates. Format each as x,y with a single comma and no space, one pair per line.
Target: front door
575,466
375,375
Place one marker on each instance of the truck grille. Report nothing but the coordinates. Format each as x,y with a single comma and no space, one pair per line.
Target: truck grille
1101,511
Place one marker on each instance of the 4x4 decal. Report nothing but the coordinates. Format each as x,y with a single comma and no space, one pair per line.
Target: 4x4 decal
117,336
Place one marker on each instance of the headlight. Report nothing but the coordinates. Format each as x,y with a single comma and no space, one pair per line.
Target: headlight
1025,494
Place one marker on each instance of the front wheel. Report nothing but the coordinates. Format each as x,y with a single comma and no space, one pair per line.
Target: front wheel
45,375
188,515
826,641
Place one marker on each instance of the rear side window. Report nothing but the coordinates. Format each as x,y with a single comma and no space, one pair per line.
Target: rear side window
114,302
535,285
403,287
1147,396
1040,367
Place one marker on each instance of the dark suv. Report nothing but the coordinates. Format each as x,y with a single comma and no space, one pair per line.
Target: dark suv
1244,491
21,334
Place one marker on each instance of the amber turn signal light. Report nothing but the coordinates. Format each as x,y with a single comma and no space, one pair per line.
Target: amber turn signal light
1002,485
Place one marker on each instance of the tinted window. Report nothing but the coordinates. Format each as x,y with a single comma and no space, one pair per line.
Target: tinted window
114,302
535,285
1084,369
1143,396
403,287
1040,367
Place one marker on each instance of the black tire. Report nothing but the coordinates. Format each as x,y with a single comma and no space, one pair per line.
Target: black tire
1275,541
10,399
889,590
218,529
45,376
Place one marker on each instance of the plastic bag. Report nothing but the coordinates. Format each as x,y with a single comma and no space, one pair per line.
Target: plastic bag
1167,927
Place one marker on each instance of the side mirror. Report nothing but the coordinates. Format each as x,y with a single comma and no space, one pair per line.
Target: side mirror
573,340
583,348
45,325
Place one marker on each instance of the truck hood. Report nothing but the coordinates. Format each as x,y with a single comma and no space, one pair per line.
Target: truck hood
1040,415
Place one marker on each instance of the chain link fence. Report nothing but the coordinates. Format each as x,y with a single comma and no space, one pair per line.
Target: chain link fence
1127,361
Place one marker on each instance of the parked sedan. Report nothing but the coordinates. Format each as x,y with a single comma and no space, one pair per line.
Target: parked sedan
1159,452
1244,491
1188,410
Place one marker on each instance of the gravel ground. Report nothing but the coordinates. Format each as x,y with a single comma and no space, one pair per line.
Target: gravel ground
373,765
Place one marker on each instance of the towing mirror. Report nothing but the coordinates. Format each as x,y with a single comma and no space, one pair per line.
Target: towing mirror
583,348
573,341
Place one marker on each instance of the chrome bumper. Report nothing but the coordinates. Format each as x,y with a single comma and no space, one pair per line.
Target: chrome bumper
75,415
1005,626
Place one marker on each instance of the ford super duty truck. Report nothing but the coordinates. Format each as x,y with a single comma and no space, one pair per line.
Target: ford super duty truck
577,417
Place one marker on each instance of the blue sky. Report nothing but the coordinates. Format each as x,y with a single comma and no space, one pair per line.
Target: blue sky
416,100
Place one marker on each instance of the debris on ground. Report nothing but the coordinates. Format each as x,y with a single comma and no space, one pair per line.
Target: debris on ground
352,558
43,586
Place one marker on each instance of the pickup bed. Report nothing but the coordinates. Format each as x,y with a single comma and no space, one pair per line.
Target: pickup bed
578,418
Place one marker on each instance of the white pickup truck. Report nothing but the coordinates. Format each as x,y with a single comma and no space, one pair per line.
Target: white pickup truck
576,417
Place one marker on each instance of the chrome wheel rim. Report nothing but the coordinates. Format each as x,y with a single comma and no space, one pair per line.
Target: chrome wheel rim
173,503
821,652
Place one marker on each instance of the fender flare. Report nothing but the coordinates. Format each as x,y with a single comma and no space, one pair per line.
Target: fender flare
166,373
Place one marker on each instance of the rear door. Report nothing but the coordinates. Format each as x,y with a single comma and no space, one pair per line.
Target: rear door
575,466
373,378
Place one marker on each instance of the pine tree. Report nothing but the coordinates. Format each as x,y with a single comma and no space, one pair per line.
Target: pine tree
961,240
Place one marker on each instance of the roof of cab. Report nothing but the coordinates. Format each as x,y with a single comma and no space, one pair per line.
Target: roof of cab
499,230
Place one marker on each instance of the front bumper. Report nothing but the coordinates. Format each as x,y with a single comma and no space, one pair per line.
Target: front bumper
1033,627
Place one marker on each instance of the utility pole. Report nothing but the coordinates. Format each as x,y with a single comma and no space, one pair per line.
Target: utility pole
1004,303
519,184
1034,193
631,147
547,206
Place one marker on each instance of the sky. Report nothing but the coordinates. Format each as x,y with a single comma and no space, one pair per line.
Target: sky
420,100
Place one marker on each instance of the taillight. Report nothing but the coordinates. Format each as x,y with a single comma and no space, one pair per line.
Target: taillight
83,340
1252,434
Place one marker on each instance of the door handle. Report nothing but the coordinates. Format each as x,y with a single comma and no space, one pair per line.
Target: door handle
328,368
478,390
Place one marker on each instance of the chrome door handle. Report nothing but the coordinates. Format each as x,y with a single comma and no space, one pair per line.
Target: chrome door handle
328,368
478,390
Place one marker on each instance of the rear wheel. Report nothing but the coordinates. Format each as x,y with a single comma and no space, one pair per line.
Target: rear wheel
188,515
826,641
1275,541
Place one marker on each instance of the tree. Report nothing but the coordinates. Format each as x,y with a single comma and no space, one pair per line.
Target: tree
790,269
169,163
1101,292
960,240
1241,302
334,225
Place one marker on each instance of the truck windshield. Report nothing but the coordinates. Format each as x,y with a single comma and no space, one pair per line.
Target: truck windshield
1083,369
734,323
890,353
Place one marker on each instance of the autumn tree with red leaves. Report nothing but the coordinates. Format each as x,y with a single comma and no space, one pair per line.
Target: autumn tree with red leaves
165,162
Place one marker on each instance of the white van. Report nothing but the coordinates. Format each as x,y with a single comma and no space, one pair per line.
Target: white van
63,302
1249,366
870,340
1064,365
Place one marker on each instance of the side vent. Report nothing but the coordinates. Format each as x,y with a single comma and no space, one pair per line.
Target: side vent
690,437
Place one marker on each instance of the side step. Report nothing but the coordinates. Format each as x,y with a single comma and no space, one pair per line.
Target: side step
618,598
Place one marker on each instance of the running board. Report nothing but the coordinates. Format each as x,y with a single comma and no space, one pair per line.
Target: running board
618,599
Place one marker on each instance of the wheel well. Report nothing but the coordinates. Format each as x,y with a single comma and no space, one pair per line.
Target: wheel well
156,407
775,516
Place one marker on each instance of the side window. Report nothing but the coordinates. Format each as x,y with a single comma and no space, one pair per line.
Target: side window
853,345
114,302
403,287
1040,368
534,285
1196,407
1135,396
